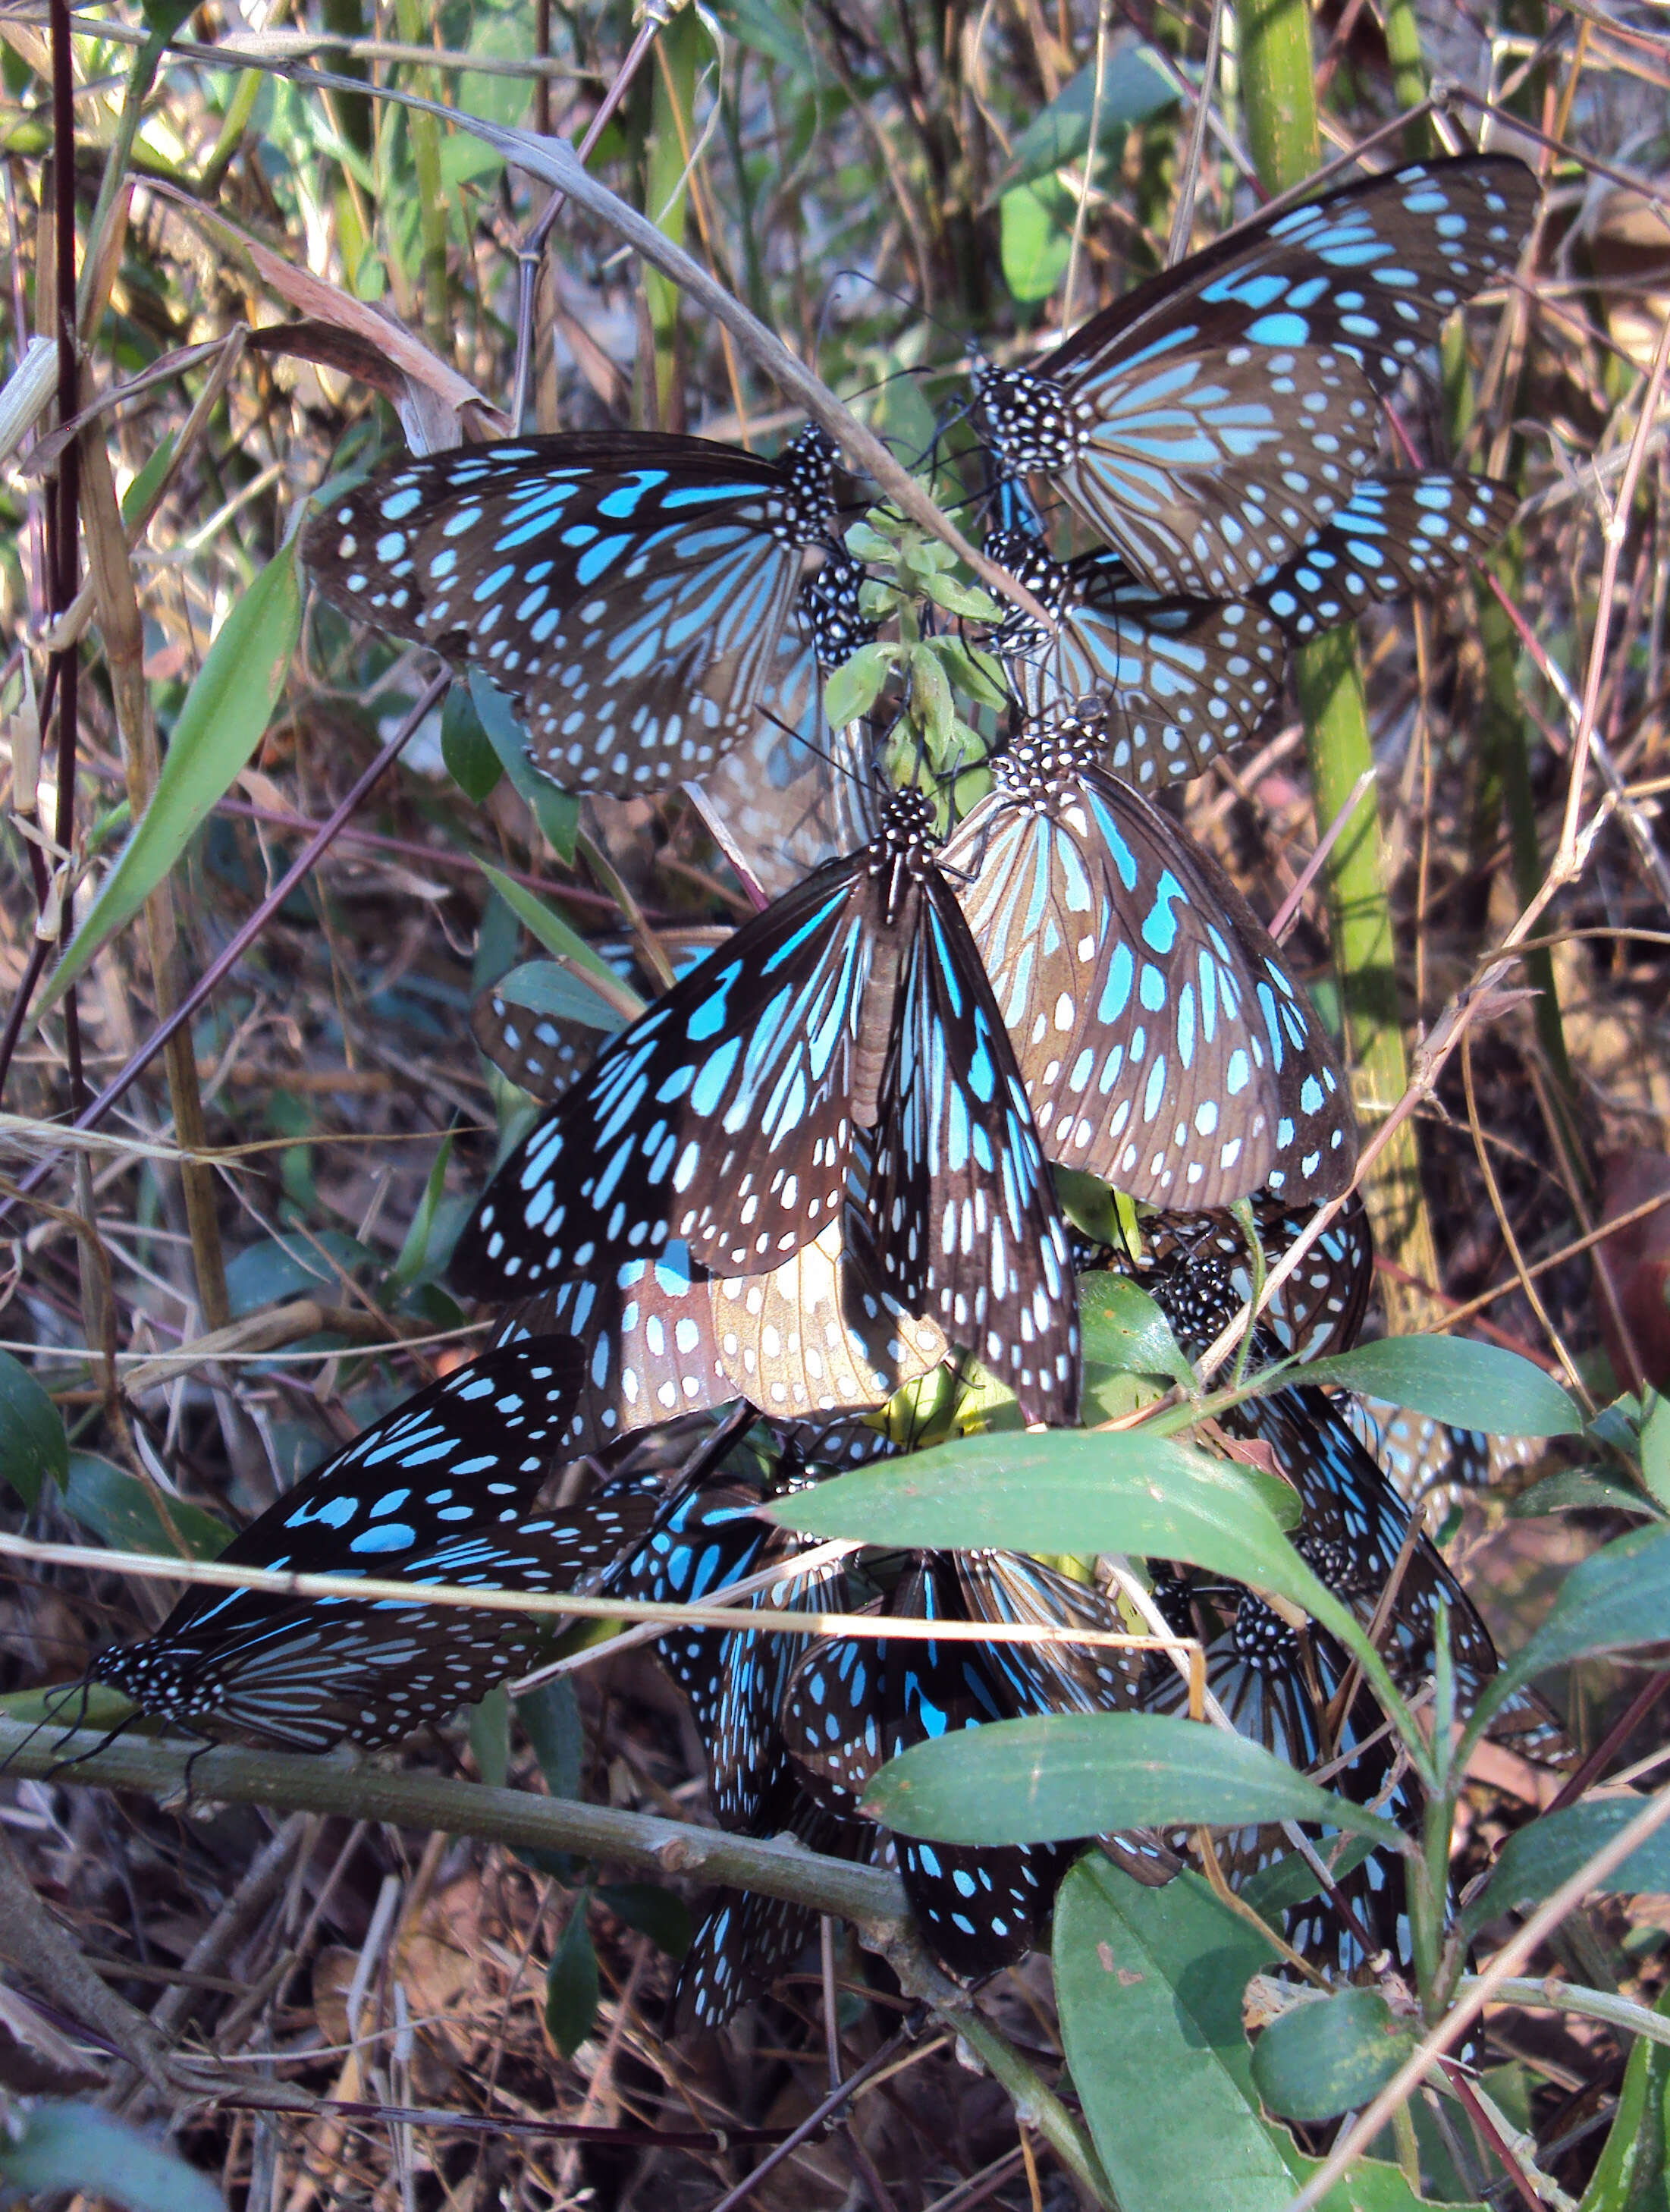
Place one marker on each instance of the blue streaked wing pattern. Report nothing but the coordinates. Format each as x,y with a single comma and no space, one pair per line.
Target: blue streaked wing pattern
628,593
1163,1046
1395,534
1168,681
1212,421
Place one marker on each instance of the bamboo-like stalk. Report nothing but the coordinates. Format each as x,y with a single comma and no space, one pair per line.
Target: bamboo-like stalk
431,198
666,190
1282,134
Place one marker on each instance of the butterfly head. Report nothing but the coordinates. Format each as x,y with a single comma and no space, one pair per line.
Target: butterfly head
1026,418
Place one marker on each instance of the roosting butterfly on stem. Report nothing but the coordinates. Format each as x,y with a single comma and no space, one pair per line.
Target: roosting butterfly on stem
1163,1046
643,598
440,1491
726,1117
1212,421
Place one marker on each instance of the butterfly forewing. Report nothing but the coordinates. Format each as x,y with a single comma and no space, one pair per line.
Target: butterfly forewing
1163,1046
627,593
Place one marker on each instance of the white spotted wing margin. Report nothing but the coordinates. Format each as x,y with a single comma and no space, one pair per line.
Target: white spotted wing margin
721,1117
627,593
1163,1046
968,1227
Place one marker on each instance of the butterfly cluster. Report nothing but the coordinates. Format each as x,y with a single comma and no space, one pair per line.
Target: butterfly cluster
823,1165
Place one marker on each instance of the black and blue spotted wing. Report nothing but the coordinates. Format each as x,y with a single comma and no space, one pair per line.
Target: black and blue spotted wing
1198,1268
1394,534
440,1491
854,1703
1163,1047
1211,422
1168,681
628,593
968,1227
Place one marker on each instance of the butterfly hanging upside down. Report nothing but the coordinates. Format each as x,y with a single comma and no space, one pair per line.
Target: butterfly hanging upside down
644,599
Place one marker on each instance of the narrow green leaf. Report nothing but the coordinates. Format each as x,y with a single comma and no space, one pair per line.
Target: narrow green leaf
1124,1328
1580,1490
92,1705
414,1250
137,496
550,1719
933,695
653,1910
120,1511
164,17
472,761
1073,1492
1633,2172
853,688
548,926
1615,1598
1473,1386
571,1985
223,719
1328,2055
1133,88
555,811
1655,1450
1051,1778
1149,1984
78,2147
33,1444
972,671
489,1736
1535,1860
551,987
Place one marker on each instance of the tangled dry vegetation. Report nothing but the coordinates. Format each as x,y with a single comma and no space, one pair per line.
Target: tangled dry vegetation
403,1974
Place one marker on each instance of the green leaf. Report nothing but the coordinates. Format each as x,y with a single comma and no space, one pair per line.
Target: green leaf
123,1514
1655,1450
1035,239
489,1736
502,99
466,160
555,811
972,671
1618,1598
1633,2171
571,1985
1580,1490
223,719
551,987
1053,1777
778,33
1472,1386
853,688
931,694
550,1719
472,761
1124,1328
164,17
78,2147
93,1705
1133,88
544,922
1325,2056
1535,1860
866,542
1149,1984
969,599
137,496
653,1910
282,1267
415,1254
1073,1493
33,1444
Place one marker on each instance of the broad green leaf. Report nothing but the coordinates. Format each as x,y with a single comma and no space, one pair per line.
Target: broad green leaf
571,1985
1327,2055
551,987
471,759
1073,1493
653,1910
1633,2171
973,672
959,598
1035,239
465,161
415,1254
1655,1450
1133,89
1053,1777
1580,1490
223,719
1471,1385
1291,1879
548,926
285,1268
550,1719
489,1736
1123,1328
78,2147
852,688
778,31
1535,1860
500,38
555,811
164,17
124,1515
33,1444
1149,1984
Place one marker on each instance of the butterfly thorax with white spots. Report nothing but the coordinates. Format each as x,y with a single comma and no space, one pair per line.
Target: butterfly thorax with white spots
1030,419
